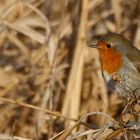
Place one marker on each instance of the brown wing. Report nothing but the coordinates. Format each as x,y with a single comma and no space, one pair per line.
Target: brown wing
134,57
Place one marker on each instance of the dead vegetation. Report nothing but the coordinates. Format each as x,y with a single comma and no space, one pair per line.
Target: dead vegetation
50,80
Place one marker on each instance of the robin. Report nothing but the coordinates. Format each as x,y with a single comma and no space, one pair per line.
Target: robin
120,64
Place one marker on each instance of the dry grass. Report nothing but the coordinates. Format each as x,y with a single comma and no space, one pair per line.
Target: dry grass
50,80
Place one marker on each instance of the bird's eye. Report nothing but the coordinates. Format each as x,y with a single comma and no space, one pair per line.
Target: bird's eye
108,45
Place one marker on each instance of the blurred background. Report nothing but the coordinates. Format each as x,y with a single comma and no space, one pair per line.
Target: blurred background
49,78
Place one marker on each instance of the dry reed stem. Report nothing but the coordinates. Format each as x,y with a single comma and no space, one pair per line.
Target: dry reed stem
8,137
107,132
104,15
116,128
104,96
54,113
117,11
137,38
75,79
94,3
67,132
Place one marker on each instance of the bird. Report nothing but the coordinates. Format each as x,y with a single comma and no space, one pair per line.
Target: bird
120,65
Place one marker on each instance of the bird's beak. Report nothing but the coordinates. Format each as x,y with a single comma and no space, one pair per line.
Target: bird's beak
94,46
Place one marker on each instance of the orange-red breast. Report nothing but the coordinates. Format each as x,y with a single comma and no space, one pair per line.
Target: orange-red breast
120,63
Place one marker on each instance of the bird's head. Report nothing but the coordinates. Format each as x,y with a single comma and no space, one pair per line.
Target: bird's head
112,47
